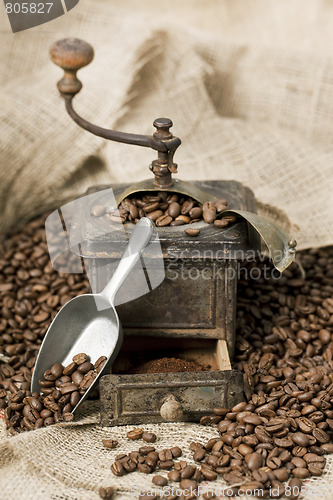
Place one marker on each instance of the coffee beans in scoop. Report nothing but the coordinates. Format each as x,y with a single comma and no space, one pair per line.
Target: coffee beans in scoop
61,390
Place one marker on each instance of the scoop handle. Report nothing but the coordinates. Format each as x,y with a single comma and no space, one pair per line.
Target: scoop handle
139,240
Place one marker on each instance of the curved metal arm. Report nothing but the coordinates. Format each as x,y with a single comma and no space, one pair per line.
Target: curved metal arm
114,135
71,54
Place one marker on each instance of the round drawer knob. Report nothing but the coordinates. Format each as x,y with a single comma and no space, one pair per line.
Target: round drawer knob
171,410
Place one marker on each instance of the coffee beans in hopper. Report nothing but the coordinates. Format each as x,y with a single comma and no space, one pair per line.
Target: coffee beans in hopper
61,390
168,209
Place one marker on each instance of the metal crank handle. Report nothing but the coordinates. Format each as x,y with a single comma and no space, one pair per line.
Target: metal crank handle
72,54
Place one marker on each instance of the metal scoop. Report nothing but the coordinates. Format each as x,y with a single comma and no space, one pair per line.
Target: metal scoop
89,323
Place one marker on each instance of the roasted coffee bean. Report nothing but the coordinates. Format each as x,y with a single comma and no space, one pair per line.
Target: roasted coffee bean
48,421
321,436
129,465
68,388
135,434
48,375
230,218
100,363
188,484
301,472
177,223
62,380
151,207
199,454
151,462
160,480
192,232
74,398
186,207
117,468
77,377
69,369
209,212
85,367
253,419
195,213
110,443
194,445
174,209
87,380
187,472
180,465
164,220
165,455
327,447
145,450
301,439
149,437
281,474
67,408
315,470
165,464
176,452
57,370
207,473
155,215
254,460
144,468
184,218
174,475
106,493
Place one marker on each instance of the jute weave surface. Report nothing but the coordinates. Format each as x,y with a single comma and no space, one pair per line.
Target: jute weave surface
249,86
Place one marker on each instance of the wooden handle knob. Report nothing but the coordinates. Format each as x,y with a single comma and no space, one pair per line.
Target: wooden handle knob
171,410
71,54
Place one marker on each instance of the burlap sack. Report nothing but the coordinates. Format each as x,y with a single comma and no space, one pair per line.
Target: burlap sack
249,87
69,461
258,110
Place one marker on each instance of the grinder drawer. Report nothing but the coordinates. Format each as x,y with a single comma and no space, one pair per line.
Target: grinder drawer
186,397
132,396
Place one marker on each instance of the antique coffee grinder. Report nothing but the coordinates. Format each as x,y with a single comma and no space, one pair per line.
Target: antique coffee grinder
193,319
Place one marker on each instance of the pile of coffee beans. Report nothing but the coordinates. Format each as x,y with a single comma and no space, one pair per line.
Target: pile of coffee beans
281,430
168,209
31,294
61,390
285,350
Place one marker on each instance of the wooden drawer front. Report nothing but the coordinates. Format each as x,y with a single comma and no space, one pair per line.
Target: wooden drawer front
137,399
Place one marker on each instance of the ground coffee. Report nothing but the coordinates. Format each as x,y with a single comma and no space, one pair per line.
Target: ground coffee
168,365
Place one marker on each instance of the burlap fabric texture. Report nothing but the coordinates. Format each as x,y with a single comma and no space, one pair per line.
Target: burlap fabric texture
69,461
250,95
249,87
